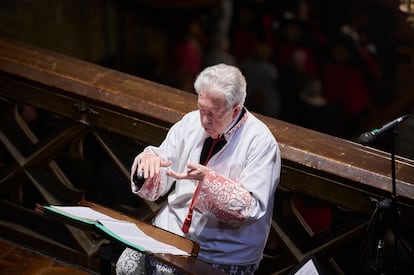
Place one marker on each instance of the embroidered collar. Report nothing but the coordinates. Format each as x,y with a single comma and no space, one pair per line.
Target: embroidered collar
238,123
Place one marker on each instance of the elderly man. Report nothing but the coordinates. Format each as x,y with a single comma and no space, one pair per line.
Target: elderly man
225,164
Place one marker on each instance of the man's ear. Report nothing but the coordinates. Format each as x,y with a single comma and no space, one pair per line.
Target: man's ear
236,110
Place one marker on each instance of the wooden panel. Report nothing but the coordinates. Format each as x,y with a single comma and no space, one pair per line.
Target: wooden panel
93,83
138,127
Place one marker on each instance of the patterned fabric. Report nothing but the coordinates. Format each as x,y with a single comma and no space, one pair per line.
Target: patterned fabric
238,124
224,198
151,189
237,269
132,262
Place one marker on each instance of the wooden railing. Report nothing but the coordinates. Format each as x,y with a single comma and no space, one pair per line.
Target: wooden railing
85,110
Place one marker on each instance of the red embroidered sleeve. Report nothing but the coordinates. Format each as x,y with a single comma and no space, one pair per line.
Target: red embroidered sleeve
152,188
227,200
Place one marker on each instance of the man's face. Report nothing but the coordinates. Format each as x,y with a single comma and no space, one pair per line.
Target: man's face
215,117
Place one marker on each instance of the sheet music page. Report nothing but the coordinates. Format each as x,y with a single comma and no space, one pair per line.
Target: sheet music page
83,212
308,268
131,233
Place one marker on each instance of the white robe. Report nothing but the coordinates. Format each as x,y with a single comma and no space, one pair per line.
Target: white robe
233,207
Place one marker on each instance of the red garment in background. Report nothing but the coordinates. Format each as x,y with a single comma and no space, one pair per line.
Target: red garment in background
317,215
346,86
243,43
188,56
288,56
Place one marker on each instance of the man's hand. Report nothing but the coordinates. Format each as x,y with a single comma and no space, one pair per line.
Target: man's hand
149,164
194,172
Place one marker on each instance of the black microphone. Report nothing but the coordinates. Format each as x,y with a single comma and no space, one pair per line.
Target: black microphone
368,137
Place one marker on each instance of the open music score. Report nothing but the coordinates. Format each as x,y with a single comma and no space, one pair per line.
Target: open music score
124,231
88,215
95,217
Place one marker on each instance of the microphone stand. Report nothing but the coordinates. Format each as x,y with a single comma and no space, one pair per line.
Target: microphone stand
394,204
378,217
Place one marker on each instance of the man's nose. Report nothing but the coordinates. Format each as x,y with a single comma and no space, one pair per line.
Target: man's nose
205,119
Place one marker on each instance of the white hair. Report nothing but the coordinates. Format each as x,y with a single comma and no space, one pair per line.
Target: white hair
225,79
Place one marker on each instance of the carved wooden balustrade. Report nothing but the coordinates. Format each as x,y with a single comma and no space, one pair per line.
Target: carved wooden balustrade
70,129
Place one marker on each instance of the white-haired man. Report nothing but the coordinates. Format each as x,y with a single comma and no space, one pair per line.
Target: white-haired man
225,164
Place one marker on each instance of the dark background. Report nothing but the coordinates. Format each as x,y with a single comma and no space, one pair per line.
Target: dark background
342,67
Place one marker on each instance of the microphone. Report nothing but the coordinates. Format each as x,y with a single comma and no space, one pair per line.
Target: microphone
368,137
